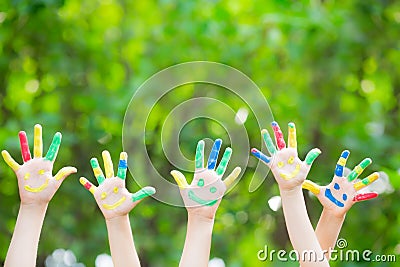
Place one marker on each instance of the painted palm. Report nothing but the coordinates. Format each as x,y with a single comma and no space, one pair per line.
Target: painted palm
204,193
36,182
289,171
111,194
340,195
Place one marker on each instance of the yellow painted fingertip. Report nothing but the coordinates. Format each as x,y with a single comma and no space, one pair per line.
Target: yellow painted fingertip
366,181
180,179
232,177
311,186
37,142
9,160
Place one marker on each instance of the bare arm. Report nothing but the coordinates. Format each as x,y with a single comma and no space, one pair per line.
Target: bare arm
115,202
120,237
290,172
328,229
196,251
37,187
202,198
24,244
338,197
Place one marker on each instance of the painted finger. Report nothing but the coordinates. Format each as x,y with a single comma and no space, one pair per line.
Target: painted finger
98,173
9,160
224,161
23,140
212,159
268,142
258,154
359,169
37,141
199,158
341,163
108,165
366,181
53,149
123,165
365,196
311,186
88,185
312,155
180,179
142,193
64,173
280,141
292,139
232,177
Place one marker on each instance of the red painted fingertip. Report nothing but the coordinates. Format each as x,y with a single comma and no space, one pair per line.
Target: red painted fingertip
280,141
23,140
365,196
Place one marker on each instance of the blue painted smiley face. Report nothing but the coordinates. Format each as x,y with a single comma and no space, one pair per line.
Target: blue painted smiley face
329,195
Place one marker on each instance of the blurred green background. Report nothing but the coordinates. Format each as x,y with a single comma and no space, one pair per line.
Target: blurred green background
332,67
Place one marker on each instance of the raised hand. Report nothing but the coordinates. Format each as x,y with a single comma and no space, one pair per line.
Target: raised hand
340,195
36,183
111,195
203,195
289,171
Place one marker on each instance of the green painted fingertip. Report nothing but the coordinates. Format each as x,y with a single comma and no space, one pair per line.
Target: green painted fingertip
312,155
268,142
199,158
142,193
55,145
224,161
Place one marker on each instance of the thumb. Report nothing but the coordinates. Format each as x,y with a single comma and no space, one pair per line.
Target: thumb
311,186
142,193
64,173
180,179
312,155
232,177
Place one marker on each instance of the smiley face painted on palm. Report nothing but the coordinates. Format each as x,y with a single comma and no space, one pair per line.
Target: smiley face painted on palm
111,193
35,175
206,189
283,161
340,192
288,164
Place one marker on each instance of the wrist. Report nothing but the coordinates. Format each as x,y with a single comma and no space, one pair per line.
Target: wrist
198,218
288,192
38,208
333,216
117,219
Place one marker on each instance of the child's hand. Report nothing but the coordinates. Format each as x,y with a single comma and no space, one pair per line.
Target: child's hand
35,179
112,197
203,195
340,195
289,171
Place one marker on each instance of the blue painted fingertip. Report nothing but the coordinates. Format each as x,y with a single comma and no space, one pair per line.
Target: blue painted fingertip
258,154
212,159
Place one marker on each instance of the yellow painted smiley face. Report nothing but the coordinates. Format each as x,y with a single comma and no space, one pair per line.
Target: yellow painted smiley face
292,174
116,204
36,189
